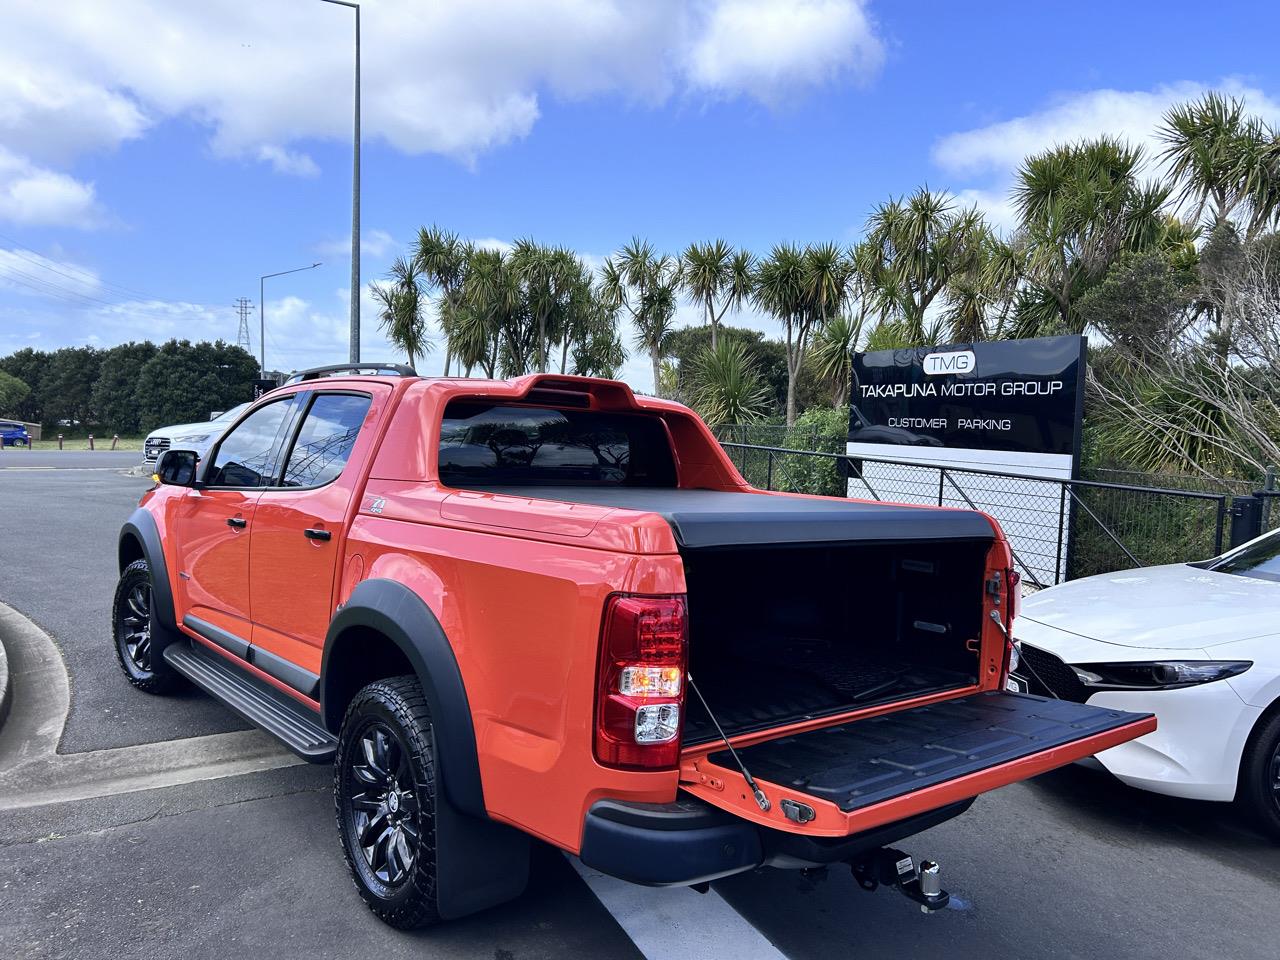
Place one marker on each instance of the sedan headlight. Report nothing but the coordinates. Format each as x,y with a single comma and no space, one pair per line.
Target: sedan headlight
192,438
1157,675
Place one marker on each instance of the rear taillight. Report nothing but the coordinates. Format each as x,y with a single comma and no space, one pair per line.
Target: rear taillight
640,687
1015,594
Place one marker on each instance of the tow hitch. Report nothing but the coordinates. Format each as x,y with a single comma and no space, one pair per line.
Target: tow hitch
896,869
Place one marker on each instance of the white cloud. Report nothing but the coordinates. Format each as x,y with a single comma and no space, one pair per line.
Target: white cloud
766,48
456,78
493,243
373,243
50,114
995,205
988,157
288,161
31,195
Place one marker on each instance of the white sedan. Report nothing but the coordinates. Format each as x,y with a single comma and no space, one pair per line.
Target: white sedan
1198,645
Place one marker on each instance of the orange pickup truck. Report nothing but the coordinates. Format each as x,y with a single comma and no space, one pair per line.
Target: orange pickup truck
548,608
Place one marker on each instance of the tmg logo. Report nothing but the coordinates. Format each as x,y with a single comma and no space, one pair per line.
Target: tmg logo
957,361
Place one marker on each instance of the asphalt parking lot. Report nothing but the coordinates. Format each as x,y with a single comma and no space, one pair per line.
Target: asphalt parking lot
1069,865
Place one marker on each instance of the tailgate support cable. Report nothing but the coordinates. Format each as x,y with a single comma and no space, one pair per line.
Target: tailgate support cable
761,800
995,618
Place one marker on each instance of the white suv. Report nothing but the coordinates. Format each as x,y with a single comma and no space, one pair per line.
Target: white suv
189,436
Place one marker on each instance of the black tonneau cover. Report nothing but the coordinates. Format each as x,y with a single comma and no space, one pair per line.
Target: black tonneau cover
716,518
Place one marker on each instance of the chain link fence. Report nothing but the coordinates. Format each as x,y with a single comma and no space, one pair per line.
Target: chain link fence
1059,529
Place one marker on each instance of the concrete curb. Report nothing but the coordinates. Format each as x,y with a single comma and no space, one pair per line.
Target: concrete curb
5,683
39,694
33,773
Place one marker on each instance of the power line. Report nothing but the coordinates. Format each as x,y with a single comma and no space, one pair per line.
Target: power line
43,264
49,288
66,294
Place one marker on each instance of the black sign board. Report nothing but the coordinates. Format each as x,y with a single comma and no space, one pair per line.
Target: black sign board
1021,395
262,386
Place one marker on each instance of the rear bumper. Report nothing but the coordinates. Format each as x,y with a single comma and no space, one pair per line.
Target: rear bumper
690,841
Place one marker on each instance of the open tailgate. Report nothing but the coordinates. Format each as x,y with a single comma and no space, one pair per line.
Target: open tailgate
864,773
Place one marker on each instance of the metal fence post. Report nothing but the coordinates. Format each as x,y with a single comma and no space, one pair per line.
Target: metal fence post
1246,520
1062,521
768,483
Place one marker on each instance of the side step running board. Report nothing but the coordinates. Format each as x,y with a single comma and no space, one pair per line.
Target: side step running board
260,703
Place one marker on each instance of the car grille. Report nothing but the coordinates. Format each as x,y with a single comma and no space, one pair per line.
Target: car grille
1048,676
155,446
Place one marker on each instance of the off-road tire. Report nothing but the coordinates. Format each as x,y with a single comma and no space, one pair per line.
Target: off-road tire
397,706
140,660
1259,789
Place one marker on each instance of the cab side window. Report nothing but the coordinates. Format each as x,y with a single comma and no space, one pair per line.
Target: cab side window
324,443
247,455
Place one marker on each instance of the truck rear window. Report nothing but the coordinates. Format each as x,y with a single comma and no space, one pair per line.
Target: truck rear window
486,444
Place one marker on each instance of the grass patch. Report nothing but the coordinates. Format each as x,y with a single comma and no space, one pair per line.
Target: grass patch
81,444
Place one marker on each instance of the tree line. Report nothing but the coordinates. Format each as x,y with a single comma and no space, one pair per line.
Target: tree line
129,389
1166,260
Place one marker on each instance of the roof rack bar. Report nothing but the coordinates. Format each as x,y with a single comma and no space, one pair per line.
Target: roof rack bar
367,369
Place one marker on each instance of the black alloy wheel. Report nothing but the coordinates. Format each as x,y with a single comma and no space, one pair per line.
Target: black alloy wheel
133,627
384,804
385,788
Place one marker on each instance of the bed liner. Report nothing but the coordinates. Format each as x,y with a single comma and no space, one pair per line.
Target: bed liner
867,761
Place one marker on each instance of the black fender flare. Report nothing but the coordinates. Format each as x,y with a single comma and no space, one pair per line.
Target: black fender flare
141,526
393,610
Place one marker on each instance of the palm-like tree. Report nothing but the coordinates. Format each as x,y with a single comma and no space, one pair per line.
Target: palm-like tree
1214,150
598,351
716,278
922,241
548,276
782,282
400,308
1080,206
441,260
832,358
643,283
727,386
493,311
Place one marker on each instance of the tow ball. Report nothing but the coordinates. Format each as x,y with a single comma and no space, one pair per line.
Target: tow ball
893,868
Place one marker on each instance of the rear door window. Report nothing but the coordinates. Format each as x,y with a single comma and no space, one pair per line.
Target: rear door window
324,443
487,444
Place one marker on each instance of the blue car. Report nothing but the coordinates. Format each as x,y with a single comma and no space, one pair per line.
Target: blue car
13,434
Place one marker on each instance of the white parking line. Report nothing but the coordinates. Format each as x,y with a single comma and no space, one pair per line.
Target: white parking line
675,923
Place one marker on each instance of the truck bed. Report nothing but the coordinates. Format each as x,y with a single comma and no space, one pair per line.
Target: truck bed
717,518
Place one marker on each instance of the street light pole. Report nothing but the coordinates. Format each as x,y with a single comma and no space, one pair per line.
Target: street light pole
355,199
262,313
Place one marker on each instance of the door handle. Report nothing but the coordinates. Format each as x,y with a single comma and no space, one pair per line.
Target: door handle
238,522
311,533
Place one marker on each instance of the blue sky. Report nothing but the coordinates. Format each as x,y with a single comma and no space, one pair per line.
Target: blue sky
156,158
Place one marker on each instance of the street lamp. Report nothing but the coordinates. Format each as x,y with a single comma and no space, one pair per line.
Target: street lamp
355,200
262,315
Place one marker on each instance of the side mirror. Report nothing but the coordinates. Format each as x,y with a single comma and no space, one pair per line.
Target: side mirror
177,468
